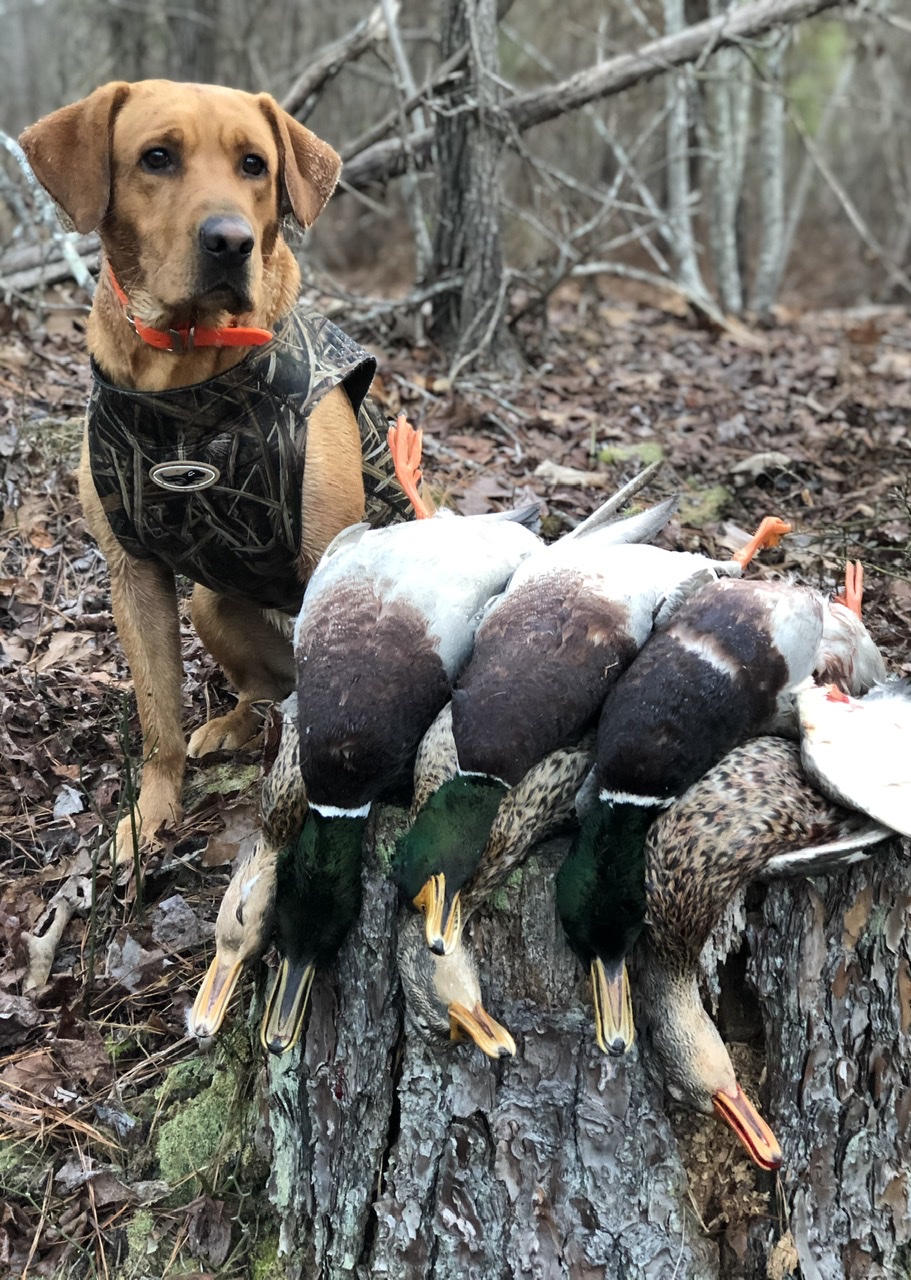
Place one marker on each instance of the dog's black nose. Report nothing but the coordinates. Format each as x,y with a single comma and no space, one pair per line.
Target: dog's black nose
229,240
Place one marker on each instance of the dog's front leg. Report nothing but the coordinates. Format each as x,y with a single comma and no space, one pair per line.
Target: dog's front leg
145,611
144,603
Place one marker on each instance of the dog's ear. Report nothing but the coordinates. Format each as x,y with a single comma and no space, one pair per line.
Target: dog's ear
70,154
310,167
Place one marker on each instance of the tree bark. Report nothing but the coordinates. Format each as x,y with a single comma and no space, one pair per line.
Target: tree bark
393,1160
770,255
468,320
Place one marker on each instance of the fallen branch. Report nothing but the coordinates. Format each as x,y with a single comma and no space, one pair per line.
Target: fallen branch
65,241
387,159
301,98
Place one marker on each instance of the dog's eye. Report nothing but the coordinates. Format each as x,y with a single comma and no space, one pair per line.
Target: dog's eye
156,159
253,165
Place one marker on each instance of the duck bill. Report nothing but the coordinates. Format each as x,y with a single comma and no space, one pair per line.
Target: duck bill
477,1023
615,1030
214,996
284,1018
442,928
736,1110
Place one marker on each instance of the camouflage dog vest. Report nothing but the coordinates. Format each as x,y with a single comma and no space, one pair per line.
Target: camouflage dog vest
207,478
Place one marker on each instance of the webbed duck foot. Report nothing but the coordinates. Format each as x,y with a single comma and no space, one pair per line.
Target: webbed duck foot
770,532
853,594
405,446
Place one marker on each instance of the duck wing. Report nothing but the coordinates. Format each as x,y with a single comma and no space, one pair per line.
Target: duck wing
540,805
711,679
858,750
436,761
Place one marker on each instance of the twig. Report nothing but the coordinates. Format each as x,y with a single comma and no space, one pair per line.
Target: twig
407,90
386,159
65,240
301,98
855,217
379,131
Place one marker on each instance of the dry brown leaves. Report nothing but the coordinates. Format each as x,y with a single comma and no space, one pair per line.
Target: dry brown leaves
810,422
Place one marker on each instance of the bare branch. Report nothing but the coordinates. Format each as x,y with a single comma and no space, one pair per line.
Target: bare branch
387,159
65,241
771,184
301,98
654,59
855,217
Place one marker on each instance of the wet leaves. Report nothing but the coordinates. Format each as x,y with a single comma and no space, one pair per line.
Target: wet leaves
809,421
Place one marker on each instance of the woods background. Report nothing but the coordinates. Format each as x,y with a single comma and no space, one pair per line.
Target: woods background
579,234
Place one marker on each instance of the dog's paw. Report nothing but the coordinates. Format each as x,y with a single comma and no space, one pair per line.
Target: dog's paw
225,733
138,831
131,837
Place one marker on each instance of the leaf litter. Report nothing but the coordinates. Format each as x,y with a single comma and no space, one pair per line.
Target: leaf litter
807,420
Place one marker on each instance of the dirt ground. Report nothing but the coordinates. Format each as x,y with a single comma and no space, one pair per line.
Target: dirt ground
808,420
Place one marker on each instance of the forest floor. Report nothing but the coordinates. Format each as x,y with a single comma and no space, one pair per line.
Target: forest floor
808,420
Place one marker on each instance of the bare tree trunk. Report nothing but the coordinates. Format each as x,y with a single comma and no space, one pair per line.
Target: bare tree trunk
728,93
391,1160
770,258
468,320
833,970
680,222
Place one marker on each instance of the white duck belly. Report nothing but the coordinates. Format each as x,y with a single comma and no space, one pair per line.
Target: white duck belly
445,568
858,750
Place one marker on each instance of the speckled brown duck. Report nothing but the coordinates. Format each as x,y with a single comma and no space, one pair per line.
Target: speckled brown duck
246,916
753,814
724,669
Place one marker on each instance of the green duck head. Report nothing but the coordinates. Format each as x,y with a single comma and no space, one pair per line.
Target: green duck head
601,901
317,899
436,858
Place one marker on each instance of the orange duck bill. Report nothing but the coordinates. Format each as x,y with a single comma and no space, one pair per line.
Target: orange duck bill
214,996
477,1023
736,1110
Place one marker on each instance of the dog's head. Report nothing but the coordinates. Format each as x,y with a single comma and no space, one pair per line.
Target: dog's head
186,184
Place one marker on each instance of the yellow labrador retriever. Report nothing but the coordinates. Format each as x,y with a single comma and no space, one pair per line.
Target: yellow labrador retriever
228,436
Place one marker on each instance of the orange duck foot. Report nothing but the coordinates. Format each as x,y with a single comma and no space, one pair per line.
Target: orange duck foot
853,594
770,532
405,447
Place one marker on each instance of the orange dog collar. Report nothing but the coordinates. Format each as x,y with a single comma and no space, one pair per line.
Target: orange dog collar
186,337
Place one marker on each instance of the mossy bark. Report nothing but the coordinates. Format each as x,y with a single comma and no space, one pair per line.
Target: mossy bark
391,1160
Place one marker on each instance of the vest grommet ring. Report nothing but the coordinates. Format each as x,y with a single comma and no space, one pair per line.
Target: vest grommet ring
185,476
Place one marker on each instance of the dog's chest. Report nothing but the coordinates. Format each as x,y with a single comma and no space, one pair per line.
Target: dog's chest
208,478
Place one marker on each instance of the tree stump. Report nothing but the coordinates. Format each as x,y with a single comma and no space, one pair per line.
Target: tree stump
392,1160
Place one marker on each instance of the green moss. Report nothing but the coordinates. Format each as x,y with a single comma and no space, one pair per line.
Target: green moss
196,1131
551,527
264,1261
391,821
140,1229
647,451
699,507
499,899
20,1163
228,778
